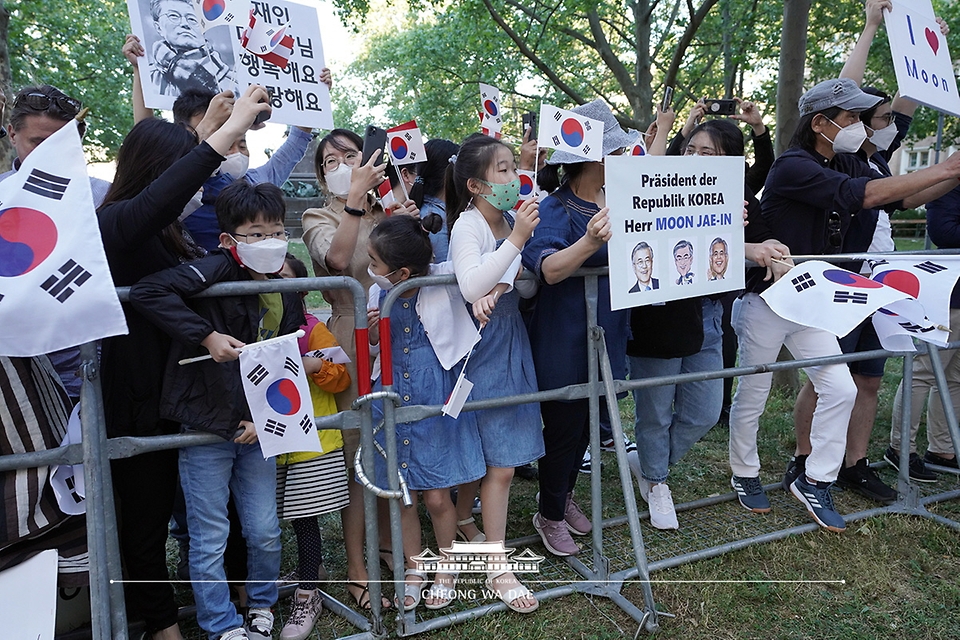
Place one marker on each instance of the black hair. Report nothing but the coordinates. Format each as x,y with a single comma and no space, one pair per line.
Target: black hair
335,139
867,116
552,176
21,110
242,202
192,102
434,169
805,137
152,147
415,192
475,157
725,135
682,244
296,265
401,241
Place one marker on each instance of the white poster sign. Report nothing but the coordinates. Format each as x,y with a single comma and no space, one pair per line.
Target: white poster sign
920,56
197,44
677,227
29,595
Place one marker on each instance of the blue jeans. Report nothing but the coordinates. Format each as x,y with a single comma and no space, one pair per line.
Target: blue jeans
209,474
672,418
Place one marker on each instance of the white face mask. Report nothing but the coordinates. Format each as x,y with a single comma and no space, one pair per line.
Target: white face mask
382,281
883,138
236,165
265,256
338,181
849,138
195,203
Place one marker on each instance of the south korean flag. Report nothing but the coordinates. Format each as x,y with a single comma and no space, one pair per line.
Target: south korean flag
929,280
215,13
818,294
278,396
491,118
55,286
568,131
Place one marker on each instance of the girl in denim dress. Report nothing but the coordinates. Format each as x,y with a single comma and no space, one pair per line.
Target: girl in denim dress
436,453
486,238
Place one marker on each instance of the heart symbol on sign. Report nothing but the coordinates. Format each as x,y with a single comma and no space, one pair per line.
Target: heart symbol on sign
932,39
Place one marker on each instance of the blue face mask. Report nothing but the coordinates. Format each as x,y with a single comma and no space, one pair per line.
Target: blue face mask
502,196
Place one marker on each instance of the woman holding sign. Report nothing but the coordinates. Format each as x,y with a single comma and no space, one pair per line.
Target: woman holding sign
573,232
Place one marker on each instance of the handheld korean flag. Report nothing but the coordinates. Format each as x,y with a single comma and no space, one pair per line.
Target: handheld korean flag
55,286
571,132
528,185
638,149
818,294
405,143
385,193
268,42
214,13
491,120
921,59
278,396
929,280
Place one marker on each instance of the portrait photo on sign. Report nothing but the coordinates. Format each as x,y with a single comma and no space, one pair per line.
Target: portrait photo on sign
180,55
718,258
642,266
683,261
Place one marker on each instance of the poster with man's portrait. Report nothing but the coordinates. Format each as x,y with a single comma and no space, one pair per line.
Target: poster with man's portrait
197,44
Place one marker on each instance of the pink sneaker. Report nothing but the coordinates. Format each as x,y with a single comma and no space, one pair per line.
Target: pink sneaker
555,535
578,523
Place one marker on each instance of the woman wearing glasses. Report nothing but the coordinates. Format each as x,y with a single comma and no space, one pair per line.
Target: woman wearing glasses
817,179
337,238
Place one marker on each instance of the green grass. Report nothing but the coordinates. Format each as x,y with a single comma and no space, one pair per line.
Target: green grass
314,299
887,576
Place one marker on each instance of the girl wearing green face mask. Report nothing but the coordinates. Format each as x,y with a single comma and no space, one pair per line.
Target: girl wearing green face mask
486,237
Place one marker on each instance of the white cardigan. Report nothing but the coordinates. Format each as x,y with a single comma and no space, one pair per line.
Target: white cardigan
477,261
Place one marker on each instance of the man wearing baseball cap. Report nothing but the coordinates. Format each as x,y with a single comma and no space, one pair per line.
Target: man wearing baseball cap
811,194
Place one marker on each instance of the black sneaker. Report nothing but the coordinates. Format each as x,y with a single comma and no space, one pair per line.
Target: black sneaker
750,494
918,470
864,480
527,472
795,468
932,458
183,562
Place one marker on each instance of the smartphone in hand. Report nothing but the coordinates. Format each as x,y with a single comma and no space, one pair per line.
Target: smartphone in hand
374,139
529,121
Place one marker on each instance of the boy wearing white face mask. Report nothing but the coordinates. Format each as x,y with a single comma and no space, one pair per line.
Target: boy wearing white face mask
253,245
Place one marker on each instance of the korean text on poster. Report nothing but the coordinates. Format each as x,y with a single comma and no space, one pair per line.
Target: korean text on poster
677,227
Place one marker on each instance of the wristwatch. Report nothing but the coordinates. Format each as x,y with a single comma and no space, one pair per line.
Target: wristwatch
355,212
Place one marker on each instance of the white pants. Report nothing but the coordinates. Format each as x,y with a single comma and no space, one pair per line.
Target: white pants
761,333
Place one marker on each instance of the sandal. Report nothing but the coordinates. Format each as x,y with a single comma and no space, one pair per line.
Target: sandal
362,599
512,595
480,537
386,563
442,592
414,591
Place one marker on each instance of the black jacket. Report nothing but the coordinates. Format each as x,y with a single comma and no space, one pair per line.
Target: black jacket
205,395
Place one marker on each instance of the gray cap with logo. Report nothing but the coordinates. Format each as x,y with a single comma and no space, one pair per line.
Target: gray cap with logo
840,92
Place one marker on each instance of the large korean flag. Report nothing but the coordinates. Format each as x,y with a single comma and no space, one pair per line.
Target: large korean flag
279,397
818,294
571,132
929,280
55,286
214,13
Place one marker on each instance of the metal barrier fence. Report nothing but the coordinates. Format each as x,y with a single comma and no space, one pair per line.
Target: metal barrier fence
107,605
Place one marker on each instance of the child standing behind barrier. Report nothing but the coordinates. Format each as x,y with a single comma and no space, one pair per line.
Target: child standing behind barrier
485,244
311,484
428,337
208,396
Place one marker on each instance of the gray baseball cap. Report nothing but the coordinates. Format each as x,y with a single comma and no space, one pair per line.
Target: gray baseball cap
839,92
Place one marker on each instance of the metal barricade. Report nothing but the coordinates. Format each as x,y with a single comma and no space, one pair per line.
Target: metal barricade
107,605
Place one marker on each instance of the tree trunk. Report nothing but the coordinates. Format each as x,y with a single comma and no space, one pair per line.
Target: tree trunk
642,15
793,51
7,154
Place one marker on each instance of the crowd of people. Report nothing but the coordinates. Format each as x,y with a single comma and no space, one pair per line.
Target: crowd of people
185,211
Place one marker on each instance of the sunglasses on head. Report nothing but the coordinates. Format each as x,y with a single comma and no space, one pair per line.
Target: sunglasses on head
42,102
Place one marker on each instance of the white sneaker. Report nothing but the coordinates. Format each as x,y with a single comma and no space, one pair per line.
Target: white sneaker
259,624
644,485
662,513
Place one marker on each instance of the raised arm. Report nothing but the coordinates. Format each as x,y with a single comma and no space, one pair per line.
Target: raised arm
856,63
132,50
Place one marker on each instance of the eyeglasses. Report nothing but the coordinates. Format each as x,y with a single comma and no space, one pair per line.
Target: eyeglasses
42,102
250,238
888,118
332,163
180,18
833,227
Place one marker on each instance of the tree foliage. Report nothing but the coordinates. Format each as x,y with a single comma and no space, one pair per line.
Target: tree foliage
74,45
